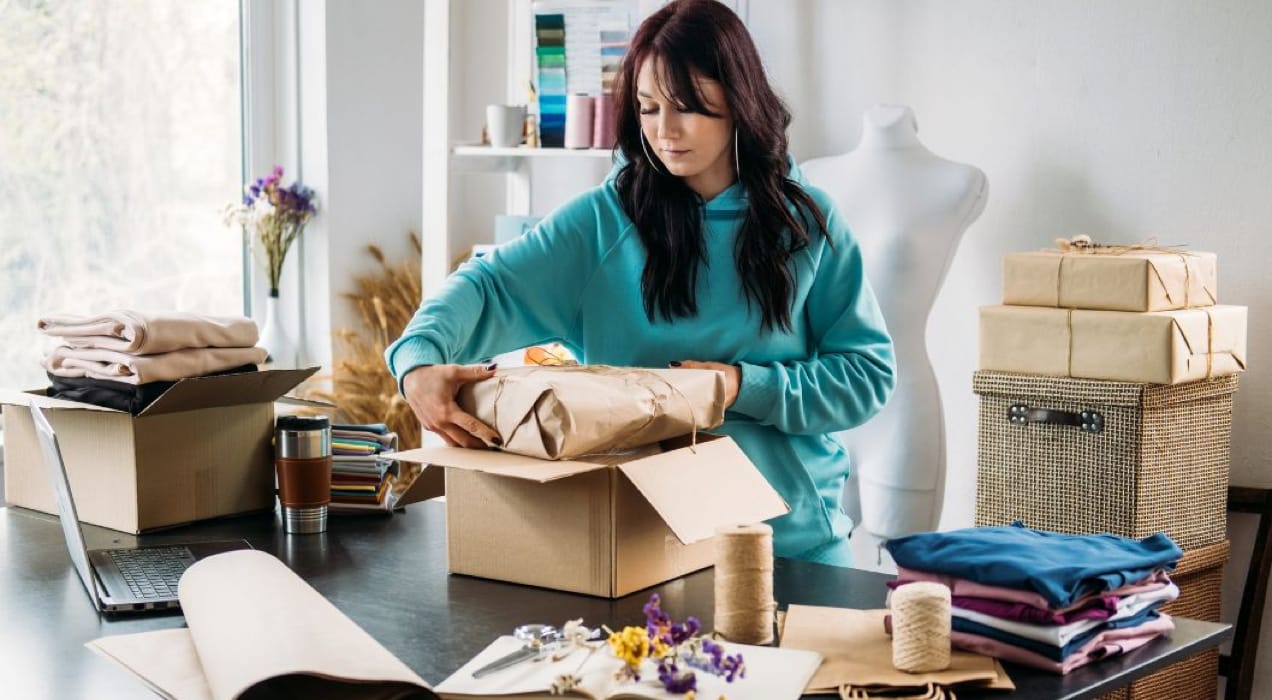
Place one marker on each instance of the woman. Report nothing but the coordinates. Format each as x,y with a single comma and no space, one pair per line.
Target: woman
704,248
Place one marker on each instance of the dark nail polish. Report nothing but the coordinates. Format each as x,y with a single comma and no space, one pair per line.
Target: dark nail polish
498,441
674,363
492,367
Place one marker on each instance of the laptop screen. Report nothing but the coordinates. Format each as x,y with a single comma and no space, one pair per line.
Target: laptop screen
65,504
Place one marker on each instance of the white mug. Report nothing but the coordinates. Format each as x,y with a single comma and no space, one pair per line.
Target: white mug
505,124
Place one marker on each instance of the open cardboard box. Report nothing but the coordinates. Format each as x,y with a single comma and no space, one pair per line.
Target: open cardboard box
201,450
605,526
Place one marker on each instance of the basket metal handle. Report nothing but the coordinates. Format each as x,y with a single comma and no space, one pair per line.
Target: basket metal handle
1086,421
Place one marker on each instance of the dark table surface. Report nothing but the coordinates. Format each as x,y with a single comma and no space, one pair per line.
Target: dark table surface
388,573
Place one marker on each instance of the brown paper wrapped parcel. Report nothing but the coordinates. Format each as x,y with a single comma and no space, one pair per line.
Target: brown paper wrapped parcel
1159,347
567,412
1111,279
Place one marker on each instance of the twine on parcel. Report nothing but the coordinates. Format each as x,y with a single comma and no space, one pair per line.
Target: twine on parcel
921,627
1083,245
744,605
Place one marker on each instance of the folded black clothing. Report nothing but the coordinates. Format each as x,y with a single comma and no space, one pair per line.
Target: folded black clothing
133,398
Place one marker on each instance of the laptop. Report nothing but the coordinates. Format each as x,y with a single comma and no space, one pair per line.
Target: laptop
128,578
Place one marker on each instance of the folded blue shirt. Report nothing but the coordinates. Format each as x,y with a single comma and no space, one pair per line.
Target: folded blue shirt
1060,567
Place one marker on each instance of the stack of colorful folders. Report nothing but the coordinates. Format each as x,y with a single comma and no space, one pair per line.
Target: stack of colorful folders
360,476
1052,601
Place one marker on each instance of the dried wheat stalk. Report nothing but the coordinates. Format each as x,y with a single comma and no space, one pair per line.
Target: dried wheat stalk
362,388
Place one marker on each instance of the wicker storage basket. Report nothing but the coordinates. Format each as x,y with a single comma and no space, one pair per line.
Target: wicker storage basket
1086,456
1200,579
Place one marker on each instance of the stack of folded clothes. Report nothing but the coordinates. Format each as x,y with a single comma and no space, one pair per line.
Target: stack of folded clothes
1044,599
361,478
125,359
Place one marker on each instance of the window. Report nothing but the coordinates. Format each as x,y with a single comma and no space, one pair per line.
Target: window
120,144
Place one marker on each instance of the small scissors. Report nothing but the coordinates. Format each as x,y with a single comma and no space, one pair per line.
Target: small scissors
538,639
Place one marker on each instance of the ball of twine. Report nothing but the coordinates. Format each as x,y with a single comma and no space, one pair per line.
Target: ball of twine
921,627
744,605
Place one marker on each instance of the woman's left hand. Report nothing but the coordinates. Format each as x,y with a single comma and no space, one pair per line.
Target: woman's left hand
732,376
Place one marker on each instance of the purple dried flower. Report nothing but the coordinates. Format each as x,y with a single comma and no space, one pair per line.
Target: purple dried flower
675,681
657,621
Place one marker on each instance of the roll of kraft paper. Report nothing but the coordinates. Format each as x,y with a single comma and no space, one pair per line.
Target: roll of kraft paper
603,131
578,121
744,605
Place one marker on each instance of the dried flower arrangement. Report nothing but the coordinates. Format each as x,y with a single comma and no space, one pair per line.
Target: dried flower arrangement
274,216
362,388
676,649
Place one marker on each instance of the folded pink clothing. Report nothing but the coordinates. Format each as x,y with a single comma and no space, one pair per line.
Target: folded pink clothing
1108,643
964,587
149,334
1060,635
141,369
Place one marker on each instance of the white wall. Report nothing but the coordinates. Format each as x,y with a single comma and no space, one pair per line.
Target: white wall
360,106
1122,120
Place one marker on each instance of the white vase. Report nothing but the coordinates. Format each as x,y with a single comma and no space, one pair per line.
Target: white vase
274,338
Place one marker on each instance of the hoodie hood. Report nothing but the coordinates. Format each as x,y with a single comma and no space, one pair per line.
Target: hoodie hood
731,199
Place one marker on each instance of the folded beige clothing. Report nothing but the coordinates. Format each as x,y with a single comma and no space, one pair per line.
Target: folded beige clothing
149,334
140,369
567,412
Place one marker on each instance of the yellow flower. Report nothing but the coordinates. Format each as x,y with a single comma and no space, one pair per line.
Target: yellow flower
631,645
659,648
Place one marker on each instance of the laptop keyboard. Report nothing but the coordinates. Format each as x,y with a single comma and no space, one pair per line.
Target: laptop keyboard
152,572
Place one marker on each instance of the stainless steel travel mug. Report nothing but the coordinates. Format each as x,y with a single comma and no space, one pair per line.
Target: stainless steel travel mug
302,458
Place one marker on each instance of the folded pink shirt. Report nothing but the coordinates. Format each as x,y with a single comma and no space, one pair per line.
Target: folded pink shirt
149,334
140,369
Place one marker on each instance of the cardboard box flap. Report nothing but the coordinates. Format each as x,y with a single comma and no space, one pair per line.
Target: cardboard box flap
698,489
227,390
497,463
26,398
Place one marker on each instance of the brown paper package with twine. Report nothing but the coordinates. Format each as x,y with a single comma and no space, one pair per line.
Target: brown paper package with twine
744,605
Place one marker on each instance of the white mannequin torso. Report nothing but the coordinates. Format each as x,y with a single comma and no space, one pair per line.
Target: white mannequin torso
908,209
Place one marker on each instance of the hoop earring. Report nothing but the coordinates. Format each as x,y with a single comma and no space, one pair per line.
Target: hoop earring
645,148
737,163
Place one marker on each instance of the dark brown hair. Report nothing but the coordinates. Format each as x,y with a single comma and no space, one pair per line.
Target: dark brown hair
703,38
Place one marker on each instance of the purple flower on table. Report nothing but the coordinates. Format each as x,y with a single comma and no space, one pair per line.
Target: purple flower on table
680,651
710,657
682,632
674,680
657,621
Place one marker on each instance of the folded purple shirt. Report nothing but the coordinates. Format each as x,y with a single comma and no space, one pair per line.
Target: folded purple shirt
963,588
1097,608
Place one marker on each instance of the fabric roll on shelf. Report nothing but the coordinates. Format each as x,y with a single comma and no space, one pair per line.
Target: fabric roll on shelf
578,121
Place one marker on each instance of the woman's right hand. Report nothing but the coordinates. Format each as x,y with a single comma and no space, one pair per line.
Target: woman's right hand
431,391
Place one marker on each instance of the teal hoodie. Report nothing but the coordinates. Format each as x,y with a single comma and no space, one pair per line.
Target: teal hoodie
575,279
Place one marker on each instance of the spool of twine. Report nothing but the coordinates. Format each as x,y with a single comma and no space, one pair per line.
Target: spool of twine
744,603
921,627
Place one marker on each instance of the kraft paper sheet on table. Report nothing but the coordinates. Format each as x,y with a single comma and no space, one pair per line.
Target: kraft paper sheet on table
253,625
858,653
566,412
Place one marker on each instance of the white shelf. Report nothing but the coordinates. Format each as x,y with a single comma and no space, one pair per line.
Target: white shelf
526,152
